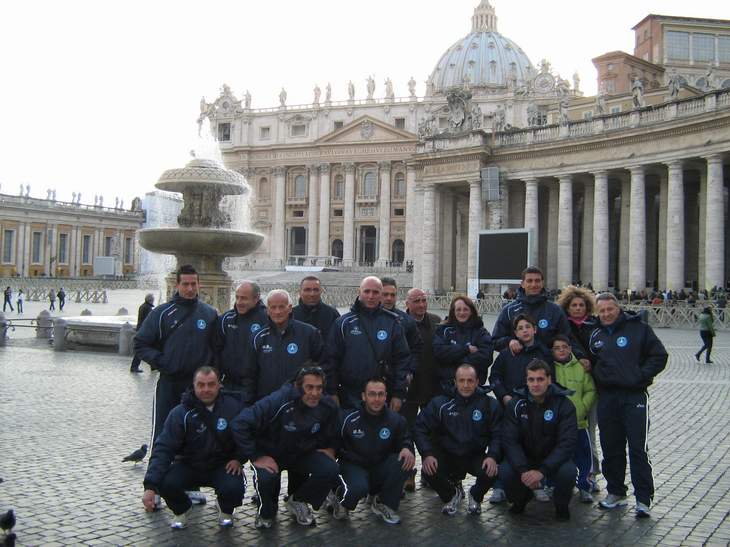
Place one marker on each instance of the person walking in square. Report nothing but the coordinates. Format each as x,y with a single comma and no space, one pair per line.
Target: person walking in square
52,300
21,299
7,295
707,333
61,294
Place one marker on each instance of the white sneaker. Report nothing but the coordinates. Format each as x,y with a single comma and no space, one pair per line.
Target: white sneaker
225,520
386,513
180,521
196,497
585,496
301,511
542,494
261,522
612,501
369,500
642,510
339,511
473,506
498,496
453,506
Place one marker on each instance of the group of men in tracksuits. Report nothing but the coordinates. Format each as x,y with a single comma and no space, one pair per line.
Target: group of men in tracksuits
323,397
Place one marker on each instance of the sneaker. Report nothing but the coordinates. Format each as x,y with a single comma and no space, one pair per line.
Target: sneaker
410,484
369,500
585,496
498,496
542,494
261,522
329,501
453,506
196,497
697,357
424,482
301,511
225,520
708,362
339,511
136,370
460,488
642,510
473,506
180,521
562,513
385,512
595,487
612,501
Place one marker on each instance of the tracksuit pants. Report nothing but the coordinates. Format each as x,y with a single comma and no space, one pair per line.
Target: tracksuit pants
320,471
385,479
453,469
168,392
583,458
623,417
563,481
180,478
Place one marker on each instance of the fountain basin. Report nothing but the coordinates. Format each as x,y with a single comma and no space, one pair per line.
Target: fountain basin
199,241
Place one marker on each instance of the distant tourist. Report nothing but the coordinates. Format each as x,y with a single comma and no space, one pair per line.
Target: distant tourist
52,299
61,294
21,299
707,333
142,313
7,295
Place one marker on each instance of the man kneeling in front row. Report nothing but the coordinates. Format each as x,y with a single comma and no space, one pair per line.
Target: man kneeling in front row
196,449
539,433
376,456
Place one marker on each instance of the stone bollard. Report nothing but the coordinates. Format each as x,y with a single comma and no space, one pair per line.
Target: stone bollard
122,311
59,334
44,324
126,339
3,329
85,312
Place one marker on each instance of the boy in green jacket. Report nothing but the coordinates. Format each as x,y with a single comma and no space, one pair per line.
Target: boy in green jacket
570,374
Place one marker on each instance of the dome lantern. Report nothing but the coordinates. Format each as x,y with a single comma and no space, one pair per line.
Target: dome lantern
484,18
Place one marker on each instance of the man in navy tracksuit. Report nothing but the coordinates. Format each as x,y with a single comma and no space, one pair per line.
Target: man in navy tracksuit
410,327
311,309
460,434
375,456
196,449
233,332
294,428
276,352
539,433
628,356
368,341
176,339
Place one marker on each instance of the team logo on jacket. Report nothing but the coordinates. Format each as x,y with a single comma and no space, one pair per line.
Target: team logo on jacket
622,341
548,415
291,426
476,415
543,323
255,327
292,348
598,344
315,427
384,433
382,335
355,330
358,433
266,348
221,424
202,324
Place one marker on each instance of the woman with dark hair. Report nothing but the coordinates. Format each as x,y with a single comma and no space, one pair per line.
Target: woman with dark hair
461,339
707,333
578,304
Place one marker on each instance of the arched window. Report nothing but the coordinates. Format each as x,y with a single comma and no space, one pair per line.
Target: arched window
264,189
399,186
339,188
725,84
398,252
300,186
337,248
369,185
701,83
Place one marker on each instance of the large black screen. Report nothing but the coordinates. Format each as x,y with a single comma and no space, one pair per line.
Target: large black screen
502,255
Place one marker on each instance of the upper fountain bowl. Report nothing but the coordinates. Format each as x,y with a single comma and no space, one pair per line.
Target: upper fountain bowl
200,174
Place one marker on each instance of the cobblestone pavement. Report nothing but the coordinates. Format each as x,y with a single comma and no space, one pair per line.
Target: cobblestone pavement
69,418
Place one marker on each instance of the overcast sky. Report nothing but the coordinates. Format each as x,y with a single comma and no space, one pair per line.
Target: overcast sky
102,96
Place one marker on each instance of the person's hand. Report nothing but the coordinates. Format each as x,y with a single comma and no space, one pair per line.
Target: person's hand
268,463
395,404
408,459
328,452
506,399
515,346
490,466
148,500
532,479
472,348
430,465
233,467
586,364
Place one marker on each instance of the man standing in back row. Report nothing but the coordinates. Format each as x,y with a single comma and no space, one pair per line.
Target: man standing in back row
311,309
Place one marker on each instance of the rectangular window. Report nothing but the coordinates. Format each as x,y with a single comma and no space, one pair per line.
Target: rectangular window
615,109
400,123
86,250
677,45
36,247
610,86
107,246
588,115
443,122
298,214
63,248
337,212
8,237
338,124
264,132
298,130
703,47
399,212
367,211
128,250
224,132
723,49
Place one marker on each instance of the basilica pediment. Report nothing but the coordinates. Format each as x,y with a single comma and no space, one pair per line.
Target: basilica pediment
366,129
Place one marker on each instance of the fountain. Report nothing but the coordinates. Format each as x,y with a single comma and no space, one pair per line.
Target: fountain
203,236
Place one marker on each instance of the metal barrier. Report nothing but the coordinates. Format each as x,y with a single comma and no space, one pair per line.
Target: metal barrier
93,296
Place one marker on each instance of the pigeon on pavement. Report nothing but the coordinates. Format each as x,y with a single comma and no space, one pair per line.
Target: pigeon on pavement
7,521
137,456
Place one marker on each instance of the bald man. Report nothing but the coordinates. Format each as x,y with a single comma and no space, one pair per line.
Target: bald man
367,341
233,332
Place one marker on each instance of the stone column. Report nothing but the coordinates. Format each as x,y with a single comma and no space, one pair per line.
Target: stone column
324,210
278,229
25,252
475,224
429,238
312,239
551,249
662,237
384,209
600,231
411,221
701,224
532,217
565,231
49,265
71,251
715,224
637,230
586,244
417,212
349,227
675,227
624,233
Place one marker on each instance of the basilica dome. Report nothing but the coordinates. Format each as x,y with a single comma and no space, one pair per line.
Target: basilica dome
483,58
